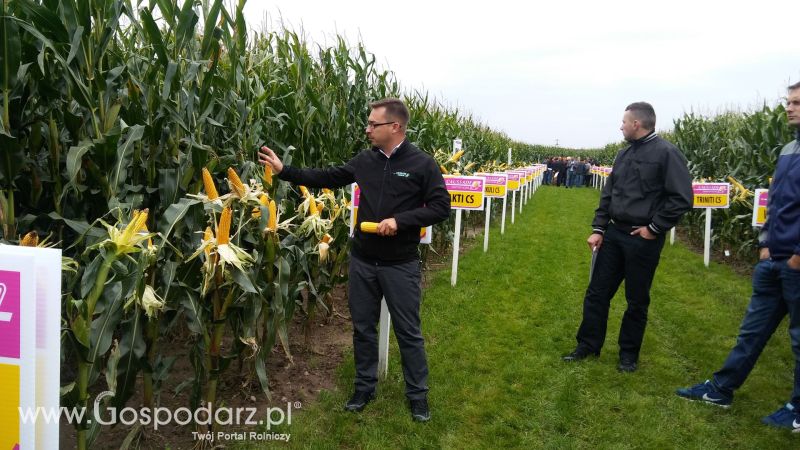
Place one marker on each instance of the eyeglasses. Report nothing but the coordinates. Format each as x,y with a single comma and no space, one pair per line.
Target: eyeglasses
375,125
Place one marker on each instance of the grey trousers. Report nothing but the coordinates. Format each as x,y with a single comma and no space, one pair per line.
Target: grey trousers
400,284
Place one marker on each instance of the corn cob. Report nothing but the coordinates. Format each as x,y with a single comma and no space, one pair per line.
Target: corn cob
29,240
369,227
224,227
208,185
236,183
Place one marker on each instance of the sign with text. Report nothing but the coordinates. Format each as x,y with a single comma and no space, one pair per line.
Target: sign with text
466,192
760,207
425,234
495,185
711,195
18,371
523,177
513,181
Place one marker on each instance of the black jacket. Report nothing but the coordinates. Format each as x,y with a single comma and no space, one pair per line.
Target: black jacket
408,186
649,185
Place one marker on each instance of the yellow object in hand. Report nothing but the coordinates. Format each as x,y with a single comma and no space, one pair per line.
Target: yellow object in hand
369,227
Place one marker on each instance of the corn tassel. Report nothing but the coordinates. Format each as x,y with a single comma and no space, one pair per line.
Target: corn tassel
208,185
236,183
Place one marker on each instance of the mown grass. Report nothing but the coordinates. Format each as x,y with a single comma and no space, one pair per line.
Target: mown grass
494,346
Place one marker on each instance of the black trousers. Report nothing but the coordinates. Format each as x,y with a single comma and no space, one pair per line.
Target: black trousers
400,284
633,259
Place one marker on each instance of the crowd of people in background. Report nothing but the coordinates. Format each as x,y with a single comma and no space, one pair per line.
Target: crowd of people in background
568,171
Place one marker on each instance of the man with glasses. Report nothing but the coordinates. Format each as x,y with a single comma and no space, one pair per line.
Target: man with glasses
776,288
402,190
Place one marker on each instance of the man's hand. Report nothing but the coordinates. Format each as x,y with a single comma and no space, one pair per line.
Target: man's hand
387,227
764,253
794,262
595,241
644,232
267,156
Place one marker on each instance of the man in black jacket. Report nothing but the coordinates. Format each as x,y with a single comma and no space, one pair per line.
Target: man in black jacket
403,190
647,193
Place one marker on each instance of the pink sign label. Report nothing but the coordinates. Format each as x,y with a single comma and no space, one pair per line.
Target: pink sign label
495,180
9,314
762,198
710,188
512,176
463,184
356,196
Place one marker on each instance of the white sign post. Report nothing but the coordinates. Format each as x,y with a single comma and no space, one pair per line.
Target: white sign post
495,187
466,192
710,196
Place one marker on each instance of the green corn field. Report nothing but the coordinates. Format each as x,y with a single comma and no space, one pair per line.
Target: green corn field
112,110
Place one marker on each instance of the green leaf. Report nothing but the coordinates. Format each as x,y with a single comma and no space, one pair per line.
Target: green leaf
133,348
186,25
244,281
174,214
11,159
154,35
120,172
75,159
10,56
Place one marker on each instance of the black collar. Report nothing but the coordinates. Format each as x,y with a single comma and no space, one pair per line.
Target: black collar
644,139
397,151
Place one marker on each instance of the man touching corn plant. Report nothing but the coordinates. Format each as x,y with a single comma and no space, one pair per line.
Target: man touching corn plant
402,190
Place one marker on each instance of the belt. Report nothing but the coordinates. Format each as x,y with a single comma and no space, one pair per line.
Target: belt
625,227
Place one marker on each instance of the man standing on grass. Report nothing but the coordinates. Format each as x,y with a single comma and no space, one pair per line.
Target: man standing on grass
647,193
776,287
403,190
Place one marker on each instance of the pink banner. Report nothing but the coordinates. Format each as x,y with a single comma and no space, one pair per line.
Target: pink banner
9,314
762,198
710,188
463,184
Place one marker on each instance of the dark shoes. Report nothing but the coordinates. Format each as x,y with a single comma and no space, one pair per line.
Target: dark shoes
419,410
627,364
579,354
359,400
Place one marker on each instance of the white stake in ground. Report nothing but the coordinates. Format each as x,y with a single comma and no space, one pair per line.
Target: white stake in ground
486,225
707,239
710,196
672,236
495,187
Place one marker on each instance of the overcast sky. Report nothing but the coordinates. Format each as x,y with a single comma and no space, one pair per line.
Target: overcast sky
566,70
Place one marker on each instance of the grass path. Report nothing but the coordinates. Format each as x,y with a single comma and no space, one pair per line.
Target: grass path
494,346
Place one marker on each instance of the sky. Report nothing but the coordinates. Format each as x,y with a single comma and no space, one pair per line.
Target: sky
562,72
